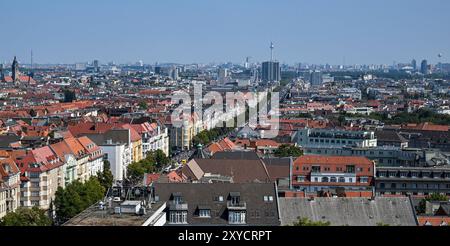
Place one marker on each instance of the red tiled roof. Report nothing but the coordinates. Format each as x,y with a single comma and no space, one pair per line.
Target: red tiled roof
433,220
152,177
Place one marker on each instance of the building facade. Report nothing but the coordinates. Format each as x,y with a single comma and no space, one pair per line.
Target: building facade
9,186
311,137
416,181
270,71
312,174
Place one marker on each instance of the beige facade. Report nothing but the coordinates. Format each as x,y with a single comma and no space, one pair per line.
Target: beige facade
9,186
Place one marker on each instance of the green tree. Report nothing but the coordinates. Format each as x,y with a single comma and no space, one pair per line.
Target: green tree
143,105
160,158
106,177
430,198
135,172
33,113
69,96
286,150
26,217
308,222
76,197
154,161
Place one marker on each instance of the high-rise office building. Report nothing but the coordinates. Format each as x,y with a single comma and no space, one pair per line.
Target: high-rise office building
316,78
414,64
96,66
222,76
174,73
1,72
424,67
158,70
271,71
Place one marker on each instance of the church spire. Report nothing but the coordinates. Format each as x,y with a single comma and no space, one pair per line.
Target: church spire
15,70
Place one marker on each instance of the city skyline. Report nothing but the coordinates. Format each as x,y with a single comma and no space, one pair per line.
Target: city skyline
344,32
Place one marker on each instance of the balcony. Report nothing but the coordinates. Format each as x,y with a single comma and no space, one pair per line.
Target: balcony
236,206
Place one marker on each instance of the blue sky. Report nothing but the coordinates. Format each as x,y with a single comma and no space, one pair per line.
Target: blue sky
185,31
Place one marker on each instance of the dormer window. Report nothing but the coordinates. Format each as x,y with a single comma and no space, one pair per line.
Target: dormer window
177,198
204,213
235,198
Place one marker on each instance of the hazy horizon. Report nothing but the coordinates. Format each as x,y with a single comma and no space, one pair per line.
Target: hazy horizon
202,31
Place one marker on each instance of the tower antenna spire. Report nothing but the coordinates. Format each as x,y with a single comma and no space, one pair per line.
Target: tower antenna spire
271,50
31,59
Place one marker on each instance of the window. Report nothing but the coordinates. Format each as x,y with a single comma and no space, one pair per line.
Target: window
178,217
324,179
300,178
341,180
315,169
34,175
235,200
350,169
404,185
266,198
382,185
350,180
204,213
236,217
270,198
178,199
333,180
364,179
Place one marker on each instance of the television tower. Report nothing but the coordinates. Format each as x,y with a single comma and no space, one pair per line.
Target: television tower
271,51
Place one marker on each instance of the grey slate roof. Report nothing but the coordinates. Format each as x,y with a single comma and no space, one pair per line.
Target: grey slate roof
121,136
236,155
6,140
349,211
242,171
204,195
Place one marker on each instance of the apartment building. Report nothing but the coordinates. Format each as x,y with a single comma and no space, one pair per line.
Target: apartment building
312,174
154,137
226,204
180,137
95,161
42,173
117,149
416,181
9,186
312,137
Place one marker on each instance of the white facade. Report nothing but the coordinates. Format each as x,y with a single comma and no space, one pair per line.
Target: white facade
119,156
335,138
153,142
